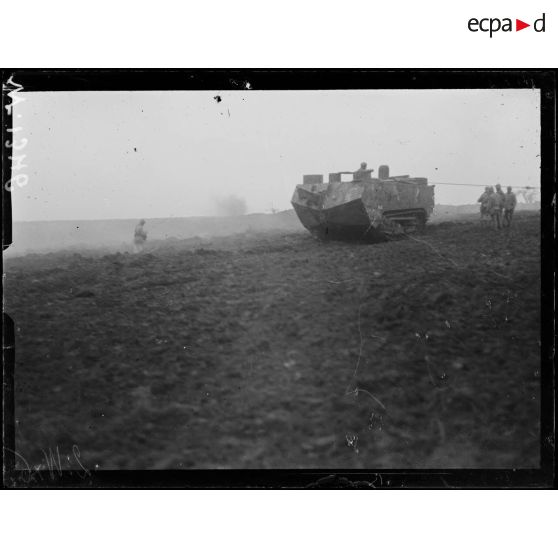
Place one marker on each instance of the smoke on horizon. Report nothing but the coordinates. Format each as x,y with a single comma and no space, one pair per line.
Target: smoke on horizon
231,206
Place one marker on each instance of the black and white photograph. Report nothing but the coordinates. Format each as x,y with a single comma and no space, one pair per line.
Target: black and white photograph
253,273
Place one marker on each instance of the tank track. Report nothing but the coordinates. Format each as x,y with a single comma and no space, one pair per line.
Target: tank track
407,220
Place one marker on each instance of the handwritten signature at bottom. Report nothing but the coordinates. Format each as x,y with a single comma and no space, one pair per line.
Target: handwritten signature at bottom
53,465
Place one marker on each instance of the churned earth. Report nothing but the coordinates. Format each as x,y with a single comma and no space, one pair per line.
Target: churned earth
274,350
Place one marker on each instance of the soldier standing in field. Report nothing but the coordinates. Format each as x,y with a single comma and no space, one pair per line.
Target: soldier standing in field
492,207
140,236
497,206
510,201
483,200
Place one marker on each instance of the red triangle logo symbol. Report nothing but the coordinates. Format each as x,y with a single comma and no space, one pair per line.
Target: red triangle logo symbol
519,25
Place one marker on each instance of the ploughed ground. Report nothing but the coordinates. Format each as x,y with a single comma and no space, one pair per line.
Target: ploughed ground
275,350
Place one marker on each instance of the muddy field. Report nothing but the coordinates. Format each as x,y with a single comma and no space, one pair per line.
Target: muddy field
273,350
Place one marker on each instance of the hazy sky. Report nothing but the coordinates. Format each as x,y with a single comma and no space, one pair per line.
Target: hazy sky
104,155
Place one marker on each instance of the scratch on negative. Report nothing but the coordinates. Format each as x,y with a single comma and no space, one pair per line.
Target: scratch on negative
433,249
449,259
361,342
358,390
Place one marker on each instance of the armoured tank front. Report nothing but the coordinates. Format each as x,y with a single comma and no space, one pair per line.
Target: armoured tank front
363,208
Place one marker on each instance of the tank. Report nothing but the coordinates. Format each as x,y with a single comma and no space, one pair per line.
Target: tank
363,208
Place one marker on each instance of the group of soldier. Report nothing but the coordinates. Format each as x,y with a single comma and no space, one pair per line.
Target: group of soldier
498,206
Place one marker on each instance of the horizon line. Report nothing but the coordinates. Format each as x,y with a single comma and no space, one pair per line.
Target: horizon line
210,216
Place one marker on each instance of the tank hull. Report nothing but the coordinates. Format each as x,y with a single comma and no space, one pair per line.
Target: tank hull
363,210
346,222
